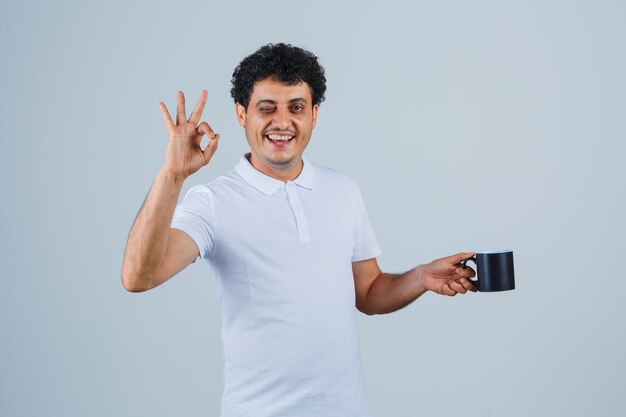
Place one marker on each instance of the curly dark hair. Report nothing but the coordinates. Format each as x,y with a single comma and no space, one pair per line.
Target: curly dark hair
286,63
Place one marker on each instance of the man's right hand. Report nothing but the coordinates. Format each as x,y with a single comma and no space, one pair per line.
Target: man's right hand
184,155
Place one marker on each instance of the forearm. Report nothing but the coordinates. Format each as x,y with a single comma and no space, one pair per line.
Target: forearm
391,292
148,238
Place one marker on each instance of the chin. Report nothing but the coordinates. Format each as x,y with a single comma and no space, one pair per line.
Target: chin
282,163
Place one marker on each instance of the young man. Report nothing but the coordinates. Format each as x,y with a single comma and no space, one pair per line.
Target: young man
289,242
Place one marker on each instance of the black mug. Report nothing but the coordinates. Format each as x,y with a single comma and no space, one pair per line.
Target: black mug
494,270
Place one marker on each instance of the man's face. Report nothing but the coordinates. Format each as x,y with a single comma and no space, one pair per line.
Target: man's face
278,122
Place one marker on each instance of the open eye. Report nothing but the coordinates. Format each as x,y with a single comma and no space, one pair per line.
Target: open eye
296,107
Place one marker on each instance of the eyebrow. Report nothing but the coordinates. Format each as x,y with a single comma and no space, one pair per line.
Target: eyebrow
293,100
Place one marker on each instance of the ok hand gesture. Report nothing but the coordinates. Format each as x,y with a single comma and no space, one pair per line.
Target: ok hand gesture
184,155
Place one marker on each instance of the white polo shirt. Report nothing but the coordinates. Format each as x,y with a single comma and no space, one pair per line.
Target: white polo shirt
282,255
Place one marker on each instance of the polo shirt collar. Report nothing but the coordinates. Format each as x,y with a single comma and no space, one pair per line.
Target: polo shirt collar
268,185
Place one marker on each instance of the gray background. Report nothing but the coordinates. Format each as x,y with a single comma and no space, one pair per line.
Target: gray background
469,125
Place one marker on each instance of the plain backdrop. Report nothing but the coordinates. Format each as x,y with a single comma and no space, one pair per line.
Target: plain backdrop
470,125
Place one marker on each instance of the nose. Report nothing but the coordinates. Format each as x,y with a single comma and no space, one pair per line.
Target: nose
282,118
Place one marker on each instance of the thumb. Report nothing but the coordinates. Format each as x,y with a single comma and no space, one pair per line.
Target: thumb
460,257
210,149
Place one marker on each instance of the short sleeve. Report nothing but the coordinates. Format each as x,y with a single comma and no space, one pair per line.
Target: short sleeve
365,243
195,216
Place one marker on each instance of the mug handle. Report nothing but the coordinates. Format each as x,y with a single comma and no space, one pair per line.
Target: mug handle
463,265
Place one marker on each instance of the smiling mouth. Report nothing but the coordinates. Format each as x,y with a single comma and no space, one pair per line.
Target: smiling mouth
279,139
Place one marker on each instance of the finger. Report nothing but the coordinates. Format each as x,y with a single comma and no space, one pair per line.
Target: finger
466,272
460,257
180,109
204,129
446,290
197,111
468,284
458,287
169,123
210,149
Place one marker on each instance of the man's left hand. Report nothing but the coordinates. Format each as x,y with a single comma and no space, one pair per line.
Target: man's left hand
447,276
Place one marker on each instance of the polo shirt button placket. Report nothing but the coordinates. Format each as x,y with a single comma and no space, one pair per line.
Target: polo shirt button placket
296,207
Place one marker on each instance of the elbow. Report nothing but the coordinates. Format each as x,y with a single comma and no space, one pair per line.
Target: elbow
131,286
363,309
133,282
364,303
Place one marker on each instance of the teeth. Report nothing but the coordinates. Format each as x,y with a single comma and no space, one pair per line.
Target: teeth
279,137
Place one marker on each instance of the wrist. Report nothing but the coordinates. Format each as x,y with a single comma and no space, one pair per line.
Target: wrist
171,178
420,279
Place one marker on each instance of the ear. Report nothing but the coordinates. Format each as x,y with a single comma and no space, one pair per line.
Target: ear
315,115
241,114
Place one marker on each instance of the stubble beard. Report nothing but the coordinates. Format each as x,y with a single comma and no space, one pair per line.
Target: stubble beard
276,164
280,165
